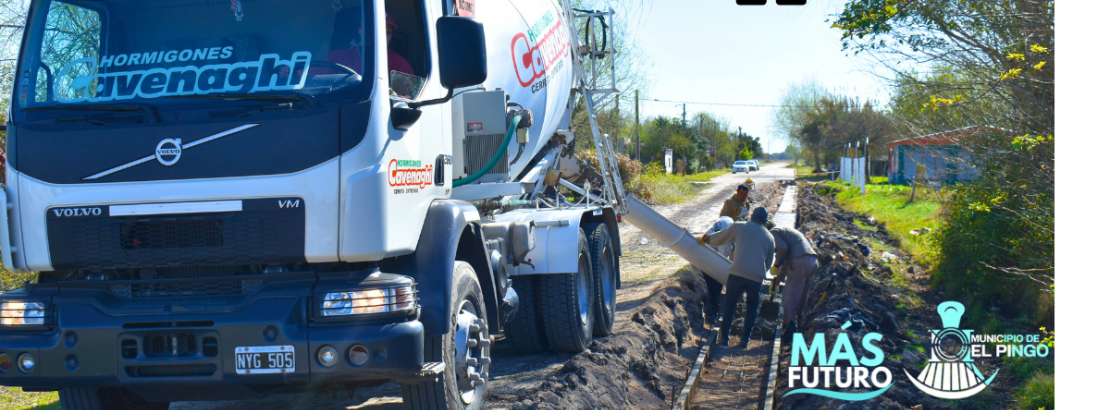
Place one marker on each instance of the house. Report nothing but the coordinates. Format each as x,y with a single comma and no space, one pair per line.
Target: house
944,159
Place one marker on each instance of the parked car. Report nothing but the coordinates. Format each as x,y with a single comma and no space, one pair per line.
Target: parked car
756,162
740,166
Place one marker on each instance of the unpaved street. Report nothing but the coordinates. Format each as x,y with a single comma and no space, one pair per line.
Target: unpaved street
654,319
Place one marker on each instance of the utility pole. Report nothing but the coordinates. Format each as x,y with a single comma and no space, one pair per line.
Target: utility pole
684,119
684,135
638,126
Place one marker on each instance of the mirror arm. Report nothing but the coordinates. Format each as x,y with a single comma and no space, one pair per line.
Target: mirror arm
418,104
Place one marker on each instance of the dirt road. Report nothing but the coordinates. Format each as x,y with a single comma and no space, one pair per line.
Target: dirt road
644,267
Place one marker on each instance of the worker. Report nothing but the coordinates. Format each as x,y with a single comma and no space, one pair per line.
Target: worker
753,251
796,260
711,284
396,62
352,57
737,206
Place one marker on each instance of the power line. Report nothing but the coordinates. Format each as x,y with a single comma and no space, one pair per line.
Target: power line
712,103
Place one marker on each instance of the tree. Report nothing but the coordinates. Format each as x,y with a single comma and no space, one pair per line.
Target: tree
839,120
13,14
792,151
797,104
992,64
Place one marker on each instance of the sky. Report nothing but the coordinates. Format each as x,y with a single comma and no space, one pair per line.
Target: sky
716,51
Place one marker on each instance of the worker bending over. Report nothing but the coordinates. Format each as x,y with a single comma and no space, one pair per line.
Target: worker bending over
797,260
753,250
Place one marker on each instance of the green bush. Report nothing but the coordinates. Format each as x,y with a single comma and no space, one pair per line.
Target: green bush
656,187
978,232
1039,393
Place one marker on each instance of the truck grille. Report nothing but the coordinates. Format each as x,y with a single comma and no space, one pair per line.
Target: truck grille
262,233
192,232
184,288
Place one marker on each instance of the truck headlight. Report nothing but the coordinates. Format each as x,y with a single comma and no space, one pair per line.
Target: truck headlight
368,301
22,313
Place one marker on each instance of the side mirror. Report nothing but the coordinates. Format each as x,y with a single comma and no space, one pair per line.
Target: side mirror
462,56
462,51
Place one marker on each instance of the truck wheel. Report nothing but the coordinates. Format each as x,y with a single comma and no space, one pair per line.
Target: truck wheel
567,304
105,398
604,262
465,352
525,333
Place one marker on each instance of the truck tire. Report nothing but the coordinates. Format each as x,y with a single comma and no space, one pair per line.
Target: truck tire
465,351
525,332
567,304
605,266
104,398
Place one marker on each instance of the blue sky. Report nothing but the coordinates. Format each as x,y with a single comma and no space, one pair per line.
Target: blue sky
716,51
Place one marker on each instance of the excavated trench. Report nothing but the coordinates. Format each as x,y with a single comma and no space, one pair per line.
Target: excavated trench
852,285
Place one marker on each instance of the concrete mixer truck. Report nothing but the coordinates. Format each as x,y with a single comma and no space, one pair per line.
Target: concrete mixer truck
230,199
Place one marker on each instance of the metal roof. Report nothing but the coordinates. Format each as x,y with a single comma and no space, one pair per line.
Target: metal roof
945,137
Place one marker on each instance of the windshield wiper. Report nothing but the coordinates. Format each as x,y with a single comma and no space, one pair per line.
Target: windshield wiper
312,103
138,107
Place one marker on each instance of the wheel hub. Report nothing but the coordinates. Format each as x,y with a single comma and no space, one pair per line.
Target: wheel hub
472,352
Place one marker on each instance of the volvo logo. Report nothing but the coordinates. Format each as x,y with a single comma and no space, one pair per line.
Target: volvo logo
168,151
77,212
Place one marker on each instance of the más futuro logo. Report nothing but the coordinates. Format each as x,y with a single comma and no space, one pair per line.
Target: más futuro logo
950,373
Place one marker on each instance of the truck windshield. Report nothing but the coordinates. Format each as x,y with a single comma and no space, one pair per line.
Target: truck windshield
151,53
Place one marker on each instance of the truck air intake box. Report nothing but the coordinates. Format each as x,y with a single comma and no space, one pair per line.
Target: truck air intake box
478,133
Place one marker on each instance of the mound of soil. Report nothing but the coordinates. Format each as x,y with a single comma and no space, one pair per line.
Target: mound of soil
643,365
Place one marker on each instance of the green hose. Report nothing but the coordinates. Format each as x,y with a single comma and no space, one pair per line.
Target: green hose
496,157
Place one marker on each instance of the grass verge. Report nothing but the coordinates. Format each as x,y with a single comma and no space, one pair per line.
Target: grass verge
705,176
889,205
657,187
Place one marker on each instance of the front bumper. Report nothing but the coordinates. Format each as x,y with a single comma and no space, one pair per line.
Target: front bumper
88,347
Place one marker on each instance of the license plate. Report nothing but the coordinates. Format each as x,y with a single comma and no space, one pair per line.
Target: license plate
264,359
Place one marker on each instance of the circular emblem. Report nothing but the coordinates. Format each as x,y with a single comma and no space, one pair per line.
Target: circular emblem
168,151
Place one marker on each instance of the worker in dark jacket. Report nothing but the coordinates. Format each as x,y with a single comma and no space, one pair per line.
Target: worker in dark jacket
797,262
753,252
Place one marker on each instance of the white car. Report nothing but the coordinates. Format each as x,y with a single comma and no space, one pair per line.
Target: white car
756,162
740,166
753,165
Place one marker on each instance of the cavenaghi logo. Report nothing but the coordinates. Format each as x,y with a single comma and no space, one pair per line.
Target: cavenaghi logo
269,73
